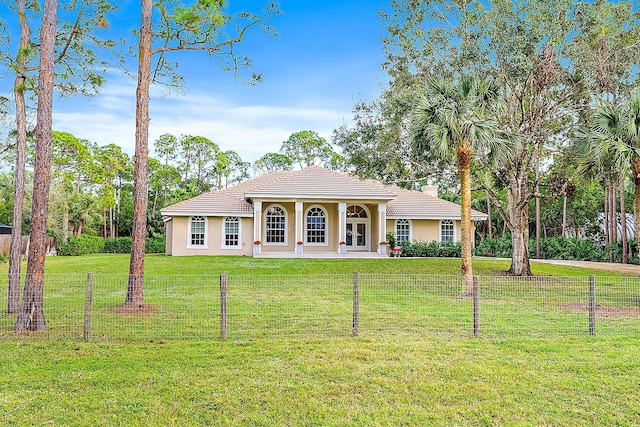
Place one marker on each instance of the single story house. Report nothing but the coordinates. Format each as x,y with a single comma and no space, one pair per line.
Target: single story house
312,210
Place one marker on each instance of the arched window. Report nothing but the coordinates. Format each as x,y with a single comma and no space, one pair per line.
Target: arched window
447,230
197,232
232,232
276,224
403,232
355,211
316,225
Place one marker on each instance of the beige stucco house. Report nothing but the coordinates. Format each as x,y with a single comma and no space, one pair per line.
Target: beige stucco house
313,210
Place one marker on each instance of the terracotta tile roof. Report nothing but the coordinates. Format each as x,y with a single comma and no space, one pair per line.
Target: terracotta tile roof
416,204
214,202
315,181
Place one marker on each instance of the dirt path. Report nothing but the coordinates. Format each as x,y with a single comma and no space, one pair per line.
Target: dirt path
616,268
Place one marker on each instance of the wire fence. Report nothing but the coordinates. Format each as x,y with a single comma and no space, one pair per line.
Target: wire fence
241,307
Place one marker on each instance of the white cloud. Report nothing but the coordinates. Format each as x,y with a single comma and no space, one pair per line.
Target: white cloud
251,130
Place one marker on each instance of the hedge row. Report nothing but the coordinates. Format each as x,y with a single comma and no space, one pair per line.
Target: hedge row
419,248
96,245
559,248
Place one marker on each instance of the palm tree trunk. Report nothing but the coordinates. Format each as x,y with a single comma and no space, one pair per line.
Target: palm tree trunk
13,296
31,316
635,169
607,229
623,219
464,163
140,179
537,209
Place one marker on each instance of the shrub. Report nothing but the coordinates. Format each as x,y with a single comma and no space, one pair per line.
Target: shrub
420,249
82,245
500,248
117,245
156,244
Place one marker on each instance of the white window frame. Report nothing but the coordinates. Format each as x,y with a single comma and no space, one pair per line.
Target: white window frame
206,232
395,228
454,230
286,226
224,233
326,226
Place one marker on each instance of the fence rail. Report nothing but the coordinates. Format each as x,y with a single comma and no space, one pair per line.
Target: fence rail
207,307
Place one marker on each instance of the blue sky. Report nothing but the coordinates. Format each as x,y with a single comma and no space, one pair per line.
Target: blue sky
327,56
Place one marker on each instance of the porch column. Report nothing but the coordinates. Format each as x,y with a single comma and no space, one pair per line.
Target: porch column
342,227
382,227
257,226
299,228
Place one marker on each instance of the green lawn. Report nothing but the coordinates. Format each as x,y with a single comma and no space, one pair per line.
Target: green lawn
415,362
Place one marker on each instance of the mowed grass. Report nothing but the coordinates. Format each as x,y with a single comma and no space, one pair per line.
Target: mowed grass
161,264
384,377
327,382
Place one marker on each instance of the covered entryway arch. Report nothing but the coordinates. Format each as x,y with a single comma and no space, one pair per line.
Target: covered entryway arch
358,231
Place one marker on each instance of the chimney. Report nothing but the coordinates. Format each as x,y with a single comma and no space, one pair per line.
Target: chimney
431,190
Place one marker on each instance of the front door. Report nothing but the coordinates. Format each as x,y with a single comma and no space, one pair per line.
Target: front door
357,235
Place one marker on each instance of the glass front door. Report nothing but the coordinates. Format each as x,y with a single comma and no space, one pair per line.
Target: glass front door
357,235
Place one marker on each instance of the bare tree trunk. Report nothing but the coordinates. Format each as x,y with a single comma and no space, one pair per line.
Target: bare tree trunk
111,231
21,148
518,224
607,229
635,169
31,316
140,179
564,216
464,162
104,224
490,222
81,221
613,222
537,209
623,219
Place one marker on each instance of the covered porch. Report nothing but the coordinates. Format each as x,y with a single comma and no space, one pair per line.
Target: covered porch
319,228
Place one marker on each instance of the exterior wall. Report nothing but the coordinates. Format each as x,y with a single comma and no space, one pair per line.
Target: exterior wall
168,232
426,230
290,209
179,238
332,229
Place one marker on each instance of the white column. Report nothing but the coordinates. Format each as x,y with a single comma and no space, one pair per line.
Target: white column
342,227
382,227
257,226
299,228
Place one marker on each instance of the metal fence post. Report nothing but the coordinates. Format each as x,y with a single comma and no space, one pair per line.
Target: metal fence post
356,304
223,306
476,307
592,304
88,303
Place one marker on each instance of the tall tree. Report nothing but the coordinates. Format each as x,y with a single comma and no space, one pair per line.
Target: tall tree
199,27
455,117
31,316
19,88
271,162
307,148
79,71
612,141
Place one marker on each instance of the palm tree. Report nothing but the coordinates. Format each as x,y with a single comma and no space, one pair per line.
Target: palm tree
612,136
455,117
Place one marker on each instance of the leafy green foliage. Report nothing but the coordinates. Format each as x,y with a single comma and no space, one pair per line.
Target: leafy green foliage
155,244
433,249
82,245
117,245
